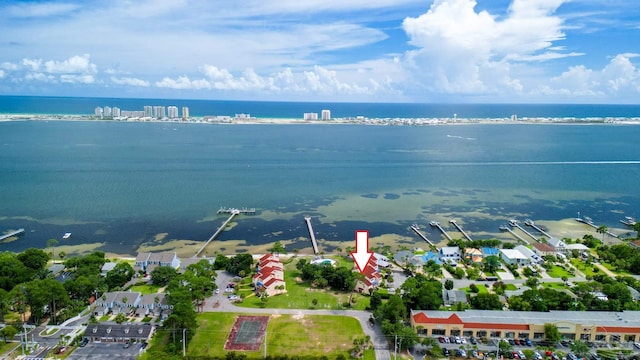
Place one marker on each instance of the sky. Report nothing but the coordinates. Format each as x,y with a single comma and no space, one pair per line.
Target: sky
424,51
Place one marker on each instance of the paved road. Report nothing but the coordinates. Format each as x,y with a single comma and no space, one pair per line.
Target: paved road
224,305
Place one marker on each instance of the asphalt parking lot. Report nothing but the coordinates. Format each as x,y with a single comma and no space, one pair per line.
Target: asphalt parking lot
99,351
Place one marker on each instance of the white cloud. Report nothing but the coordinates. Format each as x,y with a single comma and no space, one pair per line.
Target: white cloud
39,9
463,51
77,79
79,64
9,66
129,81
40,77
1,73
619,79
33,64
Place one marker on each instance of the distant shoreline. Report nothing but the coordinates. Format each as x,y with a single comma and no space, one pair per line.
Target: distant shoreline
352,121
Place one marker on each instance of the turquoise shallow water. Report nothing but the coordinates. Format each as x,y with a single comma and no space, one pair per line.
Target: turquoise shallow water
122,183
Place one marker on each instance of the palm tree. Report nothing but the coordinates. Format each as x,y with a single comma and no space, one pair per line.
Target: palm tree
602,229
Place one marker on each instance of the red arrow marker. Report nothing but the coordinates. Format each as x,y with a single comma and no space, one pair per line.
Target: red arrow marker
362,254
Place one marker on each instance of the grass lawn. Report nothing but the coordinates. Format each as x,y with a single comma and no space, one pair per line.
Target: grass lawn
558,272
5,347
310,335
614,270
481,289
587,270
553,285
145,289
300,295
511,287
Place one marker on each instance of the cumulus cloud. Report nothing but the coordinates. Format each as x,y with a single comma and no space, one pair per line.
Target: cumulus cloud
319,80
461,50
619,78
33,64
130,81
77,79
9,66
73,65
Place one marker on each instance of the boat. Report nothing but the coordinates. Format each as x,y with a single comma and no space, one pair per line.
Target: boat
629,221
529,222
434,223
66,236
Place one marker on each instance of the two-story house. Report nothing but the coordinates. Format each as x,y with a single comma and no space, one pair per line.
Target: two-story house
146,262
117,302
269,276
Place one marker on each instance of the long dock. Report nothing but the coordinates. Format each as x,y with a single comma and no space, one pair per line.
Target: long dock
233,212
244,210
314,243
588,221
437,224
515,223
460,229
416,229
13,233
506,228
530,222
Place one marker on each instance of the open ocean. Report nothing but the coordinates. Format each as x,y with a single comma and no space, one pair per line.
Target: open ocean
123,186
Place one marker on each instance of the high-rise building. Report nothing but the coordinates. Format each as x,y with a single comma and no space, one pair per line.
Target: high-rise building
106,111
172,112
98,112
326,114
185,113
310,116
159,112
148,111
115,111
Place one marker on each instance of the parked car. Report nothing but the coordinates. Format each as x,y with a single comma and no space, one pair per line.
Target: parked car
473,340
84,342
528,342
463,340
516,341
61,350
637,345
572,356
445,352
521,355
127,345
537,356
441,340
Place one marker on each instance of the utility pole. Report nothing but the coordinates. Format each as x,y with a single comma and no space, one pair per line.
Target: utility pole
184,342
265,344
395,347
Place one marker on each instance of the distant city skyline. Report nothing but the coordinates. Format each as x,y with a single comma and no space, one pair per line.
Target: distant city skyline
423,51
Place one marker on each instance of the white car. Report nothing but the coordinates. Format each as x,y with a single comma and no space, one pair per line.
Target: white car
463,340
217,291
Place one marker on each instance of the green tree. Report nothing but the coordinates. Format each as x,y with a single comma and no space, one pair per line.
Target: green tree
119,275
278,248
602,229
486,301
579,348
448,284
8,332
120,318
532,282
162,275
221,262
551,332
491,264
51,244
240,263
5,304
375,301
34,259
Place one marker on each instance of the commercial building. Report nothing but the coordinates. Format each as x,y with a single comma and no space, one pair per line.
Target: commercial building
310,116
185,113
148,111
326,114
573,325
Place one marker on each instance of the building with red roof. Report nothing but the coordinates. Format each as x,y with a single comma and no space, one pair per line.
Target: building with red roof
269,277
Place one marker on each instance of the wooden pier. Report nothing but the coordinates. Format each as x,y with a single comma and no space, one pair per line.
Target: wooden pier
437,224
224,210
233,213
13,233
587,220
506,228
515,223
530,222
461,230
416,229
314,243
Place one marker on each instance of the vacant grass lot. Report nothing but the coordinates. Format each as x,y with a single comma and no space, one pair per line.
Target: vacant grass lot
481,289
300,295
145,289
558,272
587,270
309,335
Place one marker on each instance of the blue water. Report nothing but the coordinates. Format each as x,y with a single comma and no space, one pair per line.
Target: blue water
123,183
80,106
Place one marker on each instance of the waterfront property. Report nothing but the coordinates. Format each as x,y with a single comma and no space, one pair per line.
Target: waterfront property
269,277
573,325
372,277
148,261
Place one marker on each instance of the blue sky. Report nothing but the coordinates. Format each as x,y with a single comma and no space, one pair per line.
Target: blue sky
491,51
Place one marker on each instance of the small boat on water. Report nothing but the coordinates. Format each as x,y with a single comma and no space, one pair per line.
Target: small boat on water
629,221
66,236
